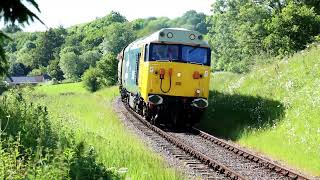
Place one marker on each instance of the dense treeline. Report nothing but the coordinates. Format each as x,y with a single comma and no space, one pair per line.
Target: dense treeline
65,54
241,31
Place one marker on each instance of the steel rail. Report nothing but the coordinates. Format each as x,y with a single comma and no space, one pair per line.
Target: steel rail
218,167
255,158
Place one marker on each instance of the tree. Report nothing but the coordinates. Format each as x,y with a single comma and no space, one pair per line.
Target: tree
116,17
17,69
12,11
71,66
91,79
54,70
108,67
292,29
236,34
118,36
89,58
11,28
48,45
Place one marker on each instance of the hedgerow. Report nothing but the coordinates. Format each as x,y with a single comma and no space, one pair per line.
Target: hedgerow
31,147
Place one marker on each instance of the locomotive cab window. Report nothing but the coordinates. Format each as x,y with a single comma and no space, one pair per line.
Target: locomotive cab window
164,52
197,55
179,53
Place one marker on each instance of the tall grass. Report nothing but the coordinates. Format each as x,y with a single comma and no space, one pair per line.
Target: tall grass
273,109
32,147
92,120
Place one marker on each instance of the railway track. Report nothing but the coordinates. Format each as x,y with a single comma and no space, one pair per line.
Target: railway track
286,172
211,157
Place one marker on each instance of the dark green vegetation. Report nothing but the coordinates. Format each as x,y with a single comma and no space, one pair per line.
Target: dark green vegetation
273,109
242,32
33,146
11,12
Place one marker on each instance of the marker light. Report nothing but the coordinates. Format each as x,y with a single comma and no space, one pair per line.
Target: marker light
162,72
169,35
162,34
196,75
200,37
197,93
206,73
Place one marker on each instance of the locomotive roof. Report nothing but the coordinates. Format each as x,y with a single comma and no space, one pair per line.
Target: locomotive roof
172,35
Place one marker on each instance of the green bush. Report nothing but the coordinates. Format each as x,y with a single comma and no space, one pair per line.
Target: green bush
108,65
31,147
91,79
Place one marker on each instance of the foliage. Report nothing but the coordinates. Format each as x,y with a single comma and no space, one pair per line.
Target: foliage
11,28
12,11
17,69
108,67
92,79
241,30
119,36
91,117
275,101
54,70
89,58
301,23
28,120
48,46
33,145
71,65
37,72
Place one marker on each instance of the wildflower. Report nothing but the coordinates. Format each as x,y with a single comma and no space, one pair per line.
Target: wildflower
123,170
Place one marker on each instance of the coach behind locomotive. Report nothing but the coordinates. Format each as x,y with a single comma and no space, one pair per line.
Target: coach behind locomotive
165,76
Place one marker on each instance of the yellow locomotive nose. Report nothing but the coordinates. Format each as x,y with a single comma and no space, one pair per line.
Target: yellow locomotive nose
178,79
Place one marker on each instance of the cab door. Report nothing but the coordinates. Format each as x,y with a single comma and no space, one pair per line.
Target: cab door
143,71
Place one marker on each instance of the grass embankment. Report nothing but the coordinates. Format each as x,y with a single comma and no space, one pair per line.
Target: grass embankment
274,109
93,121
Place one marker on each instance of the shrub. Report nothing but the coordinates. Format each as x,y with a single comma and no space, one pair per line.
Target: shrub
91,79
31,147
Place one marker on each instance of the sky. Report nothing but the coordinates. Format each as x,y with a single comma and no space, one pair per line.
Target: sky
72,12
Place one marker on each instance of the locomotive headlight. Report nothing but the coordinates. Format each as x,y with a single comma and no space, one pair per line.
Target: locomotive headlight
151,69
178,74
198,91
169,35
206,73
192,36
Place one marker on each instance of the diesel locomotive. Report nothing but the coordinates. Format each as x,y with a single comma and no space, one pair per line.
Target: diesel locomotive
165,76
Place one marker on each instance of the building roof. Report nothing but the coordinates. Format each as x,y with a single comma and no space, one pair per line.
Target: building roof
25,79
